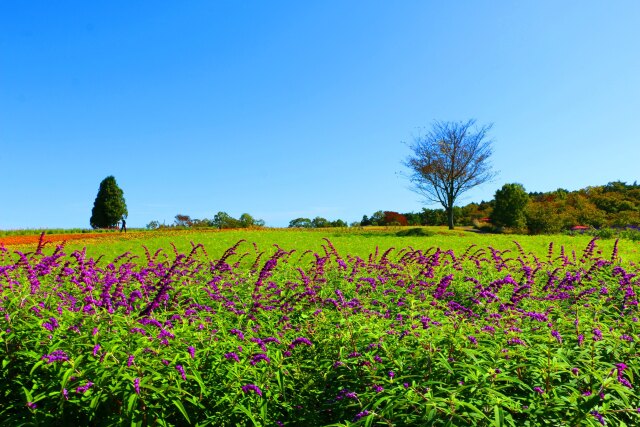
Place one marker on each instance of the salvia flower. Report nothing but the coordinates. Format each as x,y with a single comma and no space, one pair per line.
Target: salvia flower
130,360
598,416
597,334
180,369
83,389
252,387
260,357
192,351
136,385
300,340
360,415
55,356
233,356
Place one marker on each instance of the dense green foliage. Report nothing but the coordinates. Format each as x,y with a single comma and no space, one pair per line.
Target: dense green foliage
317,222
509,206
109,207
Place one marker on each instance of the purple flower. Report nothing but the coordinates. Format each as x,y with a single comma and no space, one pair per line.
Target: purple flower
130,360
580,339
538,390
96,348
575,371
377,388
83,389
622,380
192,351
472,340
237,333
298,341
597,334
31,405
180,369
136,385
252,387
233,356
258,357
361,415
392,374
56,356
557,336
65,393
51,324
598,416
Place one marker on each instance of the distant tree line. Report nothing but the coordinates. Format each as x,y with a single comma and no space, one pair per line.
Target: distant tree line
615,204
512,209
317,222
220,220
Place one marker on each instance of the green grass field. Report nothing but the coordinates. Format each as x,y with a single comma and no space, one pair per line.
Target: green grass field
358,242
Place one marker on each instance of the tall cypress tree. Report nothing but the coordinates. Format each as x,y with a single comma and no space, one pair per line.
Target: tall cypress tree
109,206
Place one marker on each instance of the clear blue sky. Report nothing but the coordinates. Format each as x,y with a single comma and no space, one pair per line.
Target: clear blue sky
300,109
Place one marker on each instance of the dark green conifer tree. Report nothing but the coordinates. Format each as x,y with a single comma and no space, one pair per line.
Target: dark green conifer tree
109,206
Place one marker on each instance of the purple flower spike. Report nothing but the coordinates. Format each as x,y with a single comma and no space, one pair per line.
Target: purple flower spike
597,335
96,348
258,357
252,387
83,389
192,351
180,369
361,415
598,416
298,341
136,385
233,356
56,356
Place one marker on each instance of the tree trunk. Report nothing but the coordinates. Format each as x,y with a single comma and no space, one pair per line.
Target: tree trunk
450,217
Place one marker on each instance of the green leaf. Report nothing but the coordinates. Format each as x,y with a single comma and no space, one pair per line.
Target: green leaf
131,401
247,413
36,366
498,414
182,410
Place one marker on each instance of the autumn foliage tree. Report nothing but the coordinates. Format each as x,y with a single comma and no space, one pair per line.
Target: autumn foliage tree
109,206
450,159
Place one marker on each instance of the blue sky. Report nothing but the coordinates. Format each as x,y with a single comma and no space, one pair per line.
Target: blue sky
302,109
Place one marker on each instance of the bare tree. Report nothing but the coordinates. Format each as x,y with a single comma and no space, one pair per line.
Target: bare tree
450,159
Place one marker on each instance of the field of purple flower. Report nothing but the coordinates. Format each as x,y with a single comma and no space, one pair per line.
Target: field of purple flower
405,337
